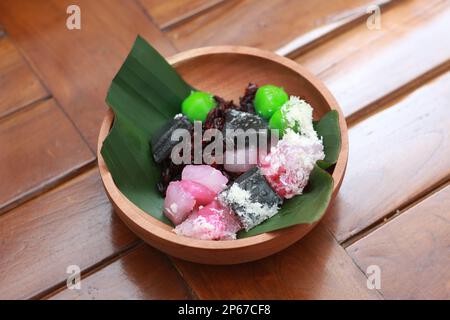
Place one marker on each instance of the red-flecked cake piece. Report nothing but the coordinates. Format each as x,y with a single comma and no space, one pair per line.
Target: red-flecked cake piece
213,222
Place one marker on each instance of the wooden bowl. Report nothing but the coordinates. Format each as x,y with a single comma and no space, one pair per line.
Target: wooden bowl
226,71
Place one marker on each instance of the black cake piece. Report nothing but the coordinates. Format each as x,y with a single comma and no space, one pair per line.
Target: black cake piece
235,119
161,142
251,198
239,120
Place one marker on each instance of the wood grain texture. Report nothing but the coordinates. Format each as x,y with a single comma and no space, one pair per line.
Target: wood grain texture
18,84
320,34
77,65
167,13
70,225
39,146
314,268
412,251
395,156
142,274
362,67
267,24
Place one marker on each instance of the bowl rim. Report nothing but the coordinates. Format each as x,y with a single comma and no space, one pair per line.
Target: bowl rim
158,229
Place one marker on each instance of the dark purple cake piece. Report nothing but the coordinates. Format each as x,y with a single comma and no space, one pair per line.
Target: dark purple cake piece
246,101
169,172
216,117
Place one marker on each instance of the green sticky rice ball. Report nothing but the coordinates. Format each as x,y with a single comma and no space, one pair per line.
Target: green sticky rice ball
197,106
278,121
269,99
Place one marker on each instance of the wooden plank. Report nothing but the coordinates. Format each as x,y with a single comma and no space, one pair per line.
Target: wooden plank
70,225
395,156
39,146
363,67
168,13
18,85
142,274
268,24
77,65
315,37
412,251
314,268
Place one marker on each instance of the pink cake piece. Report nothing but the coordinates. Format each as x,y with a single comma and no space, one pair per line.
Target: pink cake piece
213,222
289,164
183,196
202,194
178,202
205,175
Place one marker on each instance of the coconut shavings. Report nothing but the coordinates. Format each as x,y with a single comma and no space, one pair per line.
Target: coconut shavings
298,114
250,212
212,222
288,166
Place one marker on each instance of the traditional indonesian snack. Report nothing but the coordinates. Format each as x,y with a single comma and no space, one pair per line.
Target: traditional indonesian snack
295,114
162,144
213,222
251,198
206,175
289,164
247,183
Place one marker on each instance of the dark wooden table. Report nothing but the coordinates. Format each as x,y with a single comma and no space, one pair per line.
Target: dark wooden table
393,210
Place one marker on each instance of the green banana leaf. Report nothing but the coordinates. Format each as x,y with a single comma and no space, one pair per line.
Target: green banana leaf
144,95
328,129
306,208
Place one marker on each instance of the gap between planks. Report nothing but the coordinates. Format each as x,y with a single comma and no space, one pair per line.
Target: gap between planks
153,22
425,194
49,292
48,186
50,95
364,273
192,292
55,181
382,104
24,108
191,15
59,180
386,101
35,73
316,37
